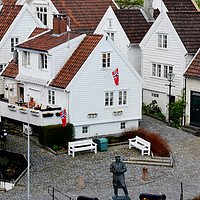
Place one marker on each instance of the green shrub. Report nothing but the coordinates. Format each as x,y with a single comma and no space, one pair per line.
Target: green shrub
55,135
161,116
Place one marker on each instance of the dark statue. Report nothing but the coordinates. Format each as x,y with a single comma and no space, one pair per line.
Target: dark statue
118,168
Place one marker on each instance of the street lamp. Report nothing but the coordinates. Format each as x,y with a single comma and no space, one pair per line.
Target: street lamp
170,78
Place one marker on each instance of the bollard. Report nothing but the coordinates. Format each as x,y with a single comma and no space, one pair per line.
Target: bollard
81,182
145,174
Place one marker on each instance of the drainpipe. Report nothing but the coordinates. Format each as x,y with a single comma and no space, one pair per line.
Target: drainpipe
68,121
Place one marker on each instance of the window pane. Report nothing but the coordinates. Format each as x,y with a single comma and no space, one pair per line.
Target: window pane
159,70
111,98
159,40
170,69
124,98
164,41
103,60
108,60
153,69
165,71
120,98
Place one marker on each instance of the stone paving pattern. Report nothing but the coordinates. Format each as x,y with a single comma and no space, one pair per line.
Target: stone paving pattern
63,171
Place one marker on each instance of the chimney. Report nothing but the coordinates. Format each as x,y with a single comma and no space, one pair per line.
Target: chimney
59,24
149,10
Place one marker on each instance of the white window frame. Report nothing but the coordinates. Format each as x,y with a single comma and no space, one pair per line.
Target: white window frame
123,125
162,40
109,99
160,70
26,58
106,60
13,42
156,95
42,14
111,35
51,97
2,66
167,69
85,129
122,97
42,61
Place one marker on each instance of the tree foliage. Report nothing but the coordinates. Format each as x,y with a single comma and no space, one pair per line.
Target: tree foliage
177,110
198,3
129,4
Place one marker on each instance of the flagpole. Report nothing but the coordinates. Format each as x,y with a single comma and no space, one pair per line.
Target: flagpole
28,153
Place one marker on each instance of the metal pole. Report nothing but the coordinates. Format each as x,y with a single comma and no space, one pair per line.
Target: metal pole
170,86
28,153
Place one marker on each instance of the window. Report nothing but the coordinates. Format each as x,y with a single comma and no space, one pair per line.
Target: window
13,43
111,35
2,67
167,69
156,70
51,97
109,99
155,95
42,14
161,70
85,129
110,23
162,40
25,58
42,61
122,98
106,60
122,125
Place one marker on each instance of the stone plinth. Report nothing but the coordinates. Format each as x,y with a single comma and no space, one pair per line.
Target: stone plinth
121,198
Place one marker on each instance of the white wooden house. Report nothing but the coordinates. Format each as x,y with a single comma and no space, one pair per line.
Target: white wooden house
81,15
75,73
16,23
192,75
168,46
126,28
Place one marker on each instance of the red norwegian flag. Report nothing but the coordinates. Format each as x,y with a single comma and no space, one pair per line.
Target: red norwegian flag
115,75
63,117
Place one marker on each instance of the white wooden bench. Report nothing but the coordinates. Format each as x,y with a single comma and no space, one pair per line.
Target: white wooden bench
141,144
81,145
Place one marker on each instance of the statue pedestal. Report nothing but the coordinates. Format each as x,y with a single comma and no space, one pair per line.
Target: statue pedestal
121,198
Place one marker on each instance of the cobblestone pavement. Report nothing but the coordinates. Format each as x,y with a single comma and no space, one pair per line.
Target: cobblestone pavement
63,171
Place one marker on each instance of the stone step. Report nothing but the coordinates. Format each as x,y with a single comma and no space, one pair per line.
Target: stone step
165,160
190,130
149,163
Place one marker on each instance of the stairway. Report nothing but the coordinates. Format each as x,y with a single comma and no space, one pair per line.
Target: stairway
192,129
154,161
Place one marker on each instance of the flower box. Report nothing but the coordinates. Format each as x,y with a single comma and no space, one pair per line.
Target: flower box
117,113
12,108
23,110
92,115
48,114
35,113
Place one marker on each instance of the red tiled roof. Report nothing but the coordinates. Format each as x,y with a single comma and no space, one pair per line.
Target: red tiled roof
133,23
84,14
8,14
179,5
75,62
194,69
11,70
37,31
187,25
47,41
9,2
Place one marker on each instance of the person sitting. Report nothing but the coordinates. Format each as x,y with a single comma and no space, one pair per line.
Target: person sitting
31,103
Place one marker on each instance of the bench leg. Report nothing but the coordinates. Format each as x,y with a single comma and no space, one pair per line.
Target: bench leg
73,154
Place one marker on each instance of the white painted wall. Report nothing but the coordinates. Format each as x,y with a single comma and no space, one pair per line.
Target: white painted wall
173,55
88,89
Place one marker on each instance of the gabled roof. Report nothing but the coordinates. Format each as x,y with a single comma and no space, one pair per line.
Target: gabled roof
84,14
47,41
9,2
37,31
8,14
11,70
187,25
75,62
179,5
133,23
194,68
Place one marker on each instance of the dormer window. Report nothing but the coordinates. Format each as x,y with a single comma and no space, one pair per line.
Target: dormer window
13,43
26,58
42,61
162,40
41,12
105,60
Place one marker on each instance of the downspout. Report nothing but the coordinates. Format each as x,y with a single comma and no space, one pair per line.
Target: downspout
68,121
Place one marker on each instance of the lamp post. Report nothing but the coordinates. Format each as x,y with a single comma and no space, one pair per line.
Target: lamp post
170,78
28,153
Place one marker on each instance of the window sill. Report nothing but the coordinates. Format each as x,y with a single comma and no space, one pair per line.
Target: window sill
160,48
